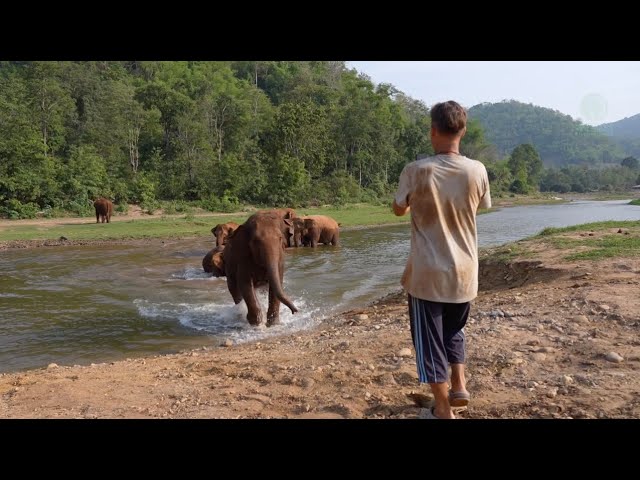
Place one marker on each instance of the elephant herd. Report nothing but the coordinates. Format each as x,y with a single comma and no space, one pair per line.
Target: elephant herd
251,255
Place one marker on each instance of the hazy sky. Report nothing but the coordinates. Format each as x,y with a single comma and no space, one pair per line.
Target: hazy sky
595,92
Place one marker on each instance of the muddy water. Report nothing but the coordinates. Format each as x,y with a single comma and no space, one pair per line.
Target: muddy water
77,305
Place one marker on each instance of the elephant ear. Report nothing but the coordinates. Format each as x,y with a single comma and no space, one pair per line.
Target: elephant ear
215,229
218,261
289,226
309,223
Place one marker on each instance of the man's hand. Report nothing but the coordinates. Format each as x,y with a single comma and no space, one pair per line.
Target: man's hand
398,210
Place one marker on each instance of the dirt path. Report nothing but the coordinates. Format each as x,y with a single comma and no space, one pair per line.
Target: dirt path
541,344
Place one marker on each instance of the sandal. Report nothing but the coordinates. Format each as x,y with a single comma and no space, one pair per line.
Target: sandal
459,399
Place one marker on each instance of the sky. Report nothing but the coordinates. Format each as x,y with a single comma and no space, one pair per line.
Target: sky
594,92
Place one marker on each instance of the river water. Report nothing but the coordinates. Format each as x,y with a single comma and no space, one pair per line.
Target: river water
83,304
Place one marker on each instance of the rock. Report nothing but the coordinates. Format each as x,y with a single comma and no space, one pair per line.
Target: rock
580,319
604,307
552,392
362,316
308,382
371,367
405,352
367,395
567,380
547,349
321,415
614,357
496,313
619,230
227,343
52,365
63,238
386,379
539,357
517,361
533,342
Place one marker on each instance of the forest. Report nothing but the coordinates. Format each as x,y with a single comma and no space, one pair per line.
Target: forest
218,135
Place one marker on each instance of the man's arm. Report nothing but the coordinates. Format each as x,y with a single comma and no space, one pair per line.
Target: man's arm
400,204
398,210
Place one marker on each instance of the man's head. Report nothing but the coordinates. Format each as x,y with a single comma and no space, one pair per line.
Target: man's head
448,120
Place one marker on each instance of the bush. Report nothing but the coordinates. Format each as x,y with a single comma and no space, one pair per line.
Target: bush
122,208
15,210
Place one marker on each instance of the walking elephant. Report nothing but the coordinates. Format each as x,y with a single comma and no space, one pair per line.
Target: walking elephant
104,209
222,232
254,257
315,229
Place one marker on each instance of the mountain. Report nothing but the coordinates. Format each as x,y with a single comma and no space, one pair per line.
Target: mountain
626,133
559,138
627,127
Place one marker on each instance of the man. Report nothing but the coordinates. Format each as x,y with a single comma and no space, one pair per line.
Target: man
443,193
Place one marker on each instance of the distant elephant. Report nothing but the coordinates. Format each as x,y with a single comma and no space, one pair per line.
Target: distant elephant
315,229
213,263
222,232
254,257
104,209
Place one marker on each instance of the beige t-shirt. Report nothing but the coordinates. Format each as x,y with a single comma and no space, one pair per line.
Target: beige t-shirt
444,193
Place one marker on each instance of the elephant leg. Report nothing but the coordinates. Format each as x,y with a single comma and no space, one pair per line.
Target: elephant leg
254,312
335,240
97,217
314,241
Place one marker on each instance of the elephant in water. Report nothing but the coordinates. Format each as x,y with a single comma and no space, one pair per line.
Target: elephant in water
315,229
254,257
222,232
212,262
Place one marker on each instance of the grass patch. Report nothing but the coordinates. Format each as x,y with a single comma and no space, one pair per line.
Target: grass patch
635,202
589,227
188,225
609,246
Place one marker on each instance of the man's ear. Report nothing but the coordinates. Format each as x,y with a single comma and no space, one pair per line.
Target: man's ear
464,130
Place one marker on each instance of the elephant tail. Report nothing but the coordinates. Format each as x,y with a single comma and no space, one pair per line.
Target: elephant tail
274,283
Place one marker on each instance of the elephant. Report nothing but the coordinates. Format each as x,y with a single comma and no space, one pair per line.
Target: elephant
222,232
213,263
254,257
315,229
104,209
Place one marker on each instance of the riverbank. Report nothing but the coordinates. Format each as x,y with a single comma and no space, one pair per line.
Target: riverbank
135,226
553,334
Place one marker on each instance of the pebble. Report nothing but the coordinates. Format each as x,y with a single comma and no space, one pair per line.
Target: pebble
228,343
614,357
567,380
581,319
362,316
52,365
604,307
405,352
308,382
539,357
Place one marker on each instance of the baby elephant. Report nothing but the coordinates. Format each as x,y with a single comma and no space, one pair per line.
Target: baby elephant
213,262
104,209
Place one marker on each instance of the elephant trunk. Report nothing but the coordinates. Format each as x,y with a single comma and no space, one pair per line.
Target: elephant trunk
274,284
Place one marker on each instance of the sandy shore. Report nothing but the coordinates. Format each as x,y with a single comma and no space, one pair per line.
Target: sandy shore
546,339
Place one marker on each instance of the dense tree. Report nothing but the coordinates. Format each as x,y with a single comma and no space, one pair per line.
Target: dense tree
630,162
264,132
